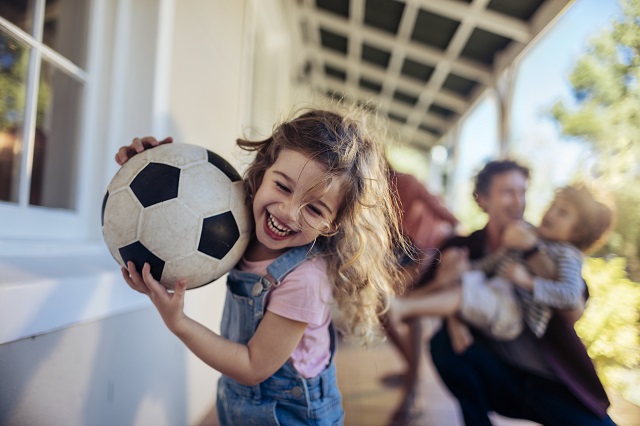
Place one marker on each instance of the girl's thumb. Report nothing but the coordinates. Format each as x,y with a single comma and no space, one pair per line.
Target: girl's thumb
181,287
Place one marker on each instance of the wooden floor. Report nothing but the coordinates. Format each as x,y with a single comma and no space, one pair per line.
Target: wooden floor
369,401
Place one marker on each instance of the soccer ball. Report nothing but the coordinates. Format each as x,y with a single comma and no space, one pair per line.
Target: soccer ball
180,208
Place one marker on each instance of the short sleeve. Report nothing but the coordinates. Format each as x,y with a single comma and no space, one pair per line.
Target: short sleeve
304,294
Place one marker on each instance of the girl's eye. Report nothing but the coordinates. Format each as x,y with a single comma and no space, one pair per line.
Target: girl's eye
316,211
282,187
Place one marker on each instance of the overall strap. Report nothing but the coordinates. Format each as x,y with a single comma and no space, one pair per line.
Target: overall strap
286,263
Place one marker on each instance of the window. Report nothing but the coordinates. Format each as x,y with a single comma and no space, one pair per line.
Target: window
43,79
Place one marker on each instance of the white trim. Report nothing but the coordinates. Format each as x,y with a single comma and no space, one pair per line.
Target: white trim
38,223
162,82
90,145
31,106
45,292
119,73
33,42
21,220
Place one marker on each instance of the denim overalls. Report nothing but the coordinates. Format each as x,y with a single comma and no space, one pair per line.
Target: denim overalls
286,398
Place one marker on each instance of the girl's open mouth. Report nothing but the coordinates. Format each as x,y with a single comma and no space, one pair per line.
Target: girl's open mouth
277,227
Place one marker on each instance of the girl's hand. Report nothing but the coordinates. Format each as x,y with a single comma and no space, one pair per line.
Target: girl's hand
517,273
454,262
519,235
459,334
169,305
137,146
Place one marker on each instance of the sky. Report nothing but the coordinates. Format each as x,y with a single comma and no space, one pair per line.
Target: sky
542,79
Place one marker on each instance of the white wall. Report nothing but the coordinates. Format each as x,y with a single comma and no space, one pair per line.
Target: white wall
78,347
208,73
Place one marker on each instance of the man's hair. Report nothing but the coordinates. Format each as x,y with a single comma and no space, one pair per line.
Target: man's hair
485,176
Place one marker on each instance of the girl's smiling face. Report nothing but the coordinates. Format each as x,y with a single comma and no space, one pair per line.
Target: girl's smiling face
280,221
560,221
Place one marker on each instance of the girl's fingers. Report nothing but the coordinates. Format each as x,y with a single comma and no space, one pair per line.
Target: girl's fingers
123,155
151,282
127,278
137,279
126,274
137,146
178,292
180,288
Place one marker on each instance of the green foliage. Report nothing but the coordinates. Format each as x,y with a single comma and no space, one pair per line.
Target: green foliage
410,160
13,84
610,326
12,81
606,115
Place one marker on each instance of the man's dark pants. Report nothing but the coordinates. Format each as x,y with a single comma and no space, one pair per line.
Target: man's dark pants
481,383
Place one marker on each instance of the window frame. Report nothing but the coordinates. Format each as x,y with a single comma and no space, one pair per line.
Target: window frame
21,220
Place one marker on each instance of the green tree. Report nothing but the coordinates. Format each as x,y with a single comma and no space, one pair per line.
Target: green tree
606,114
609,326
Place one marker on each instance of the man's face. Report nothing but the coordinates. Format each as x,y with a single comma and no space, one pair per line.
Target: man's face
505,200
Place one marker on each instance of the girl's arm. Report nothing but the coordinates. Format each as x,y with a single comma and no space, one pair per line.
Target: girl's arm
442,302
564,292
271,346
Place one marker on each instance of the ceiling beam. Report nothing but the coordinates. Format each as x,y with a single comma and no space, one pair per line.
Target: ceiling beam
443,97
465,68
488,20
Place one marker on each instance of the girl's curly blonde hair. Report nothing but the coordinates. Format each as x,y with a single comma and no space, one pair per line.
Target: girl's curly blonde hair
361,243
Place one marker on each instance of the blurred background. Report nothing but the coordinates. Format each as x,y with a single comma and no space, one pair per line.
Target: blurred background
553,83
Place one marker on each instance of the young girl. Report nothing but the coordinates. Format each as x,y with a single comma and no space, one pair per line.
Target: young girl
575,223
325,228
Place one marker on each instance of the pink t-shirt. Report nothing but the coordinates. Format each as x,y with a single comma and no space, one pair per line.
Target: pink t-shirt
303,295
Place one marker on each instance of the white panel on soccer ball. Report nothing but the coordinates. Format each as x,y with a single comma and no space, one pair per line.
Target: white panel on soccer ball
198,269
120,226
128,171
169,229
241,212
208,192
178,155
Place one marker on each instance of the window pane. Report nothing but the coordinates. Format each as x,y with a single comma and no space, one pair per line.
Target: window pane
14,61
19,13
65,28
54,172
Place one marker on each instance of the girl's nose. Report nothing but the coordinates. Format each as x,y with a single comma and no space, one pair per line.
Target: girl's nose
290,211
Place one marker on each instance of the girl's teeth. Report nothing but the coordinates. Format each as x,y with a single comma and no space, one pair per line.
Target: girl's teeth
271,223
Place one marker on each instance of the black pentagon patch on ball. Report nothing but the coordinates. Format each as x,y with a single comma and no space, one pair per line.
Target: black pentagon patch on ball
219,234
156,183
104,204
139,255
224,166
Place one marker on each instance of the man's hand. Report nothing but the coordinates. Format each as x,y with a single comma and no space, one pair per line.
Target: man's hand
519,235
517,273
